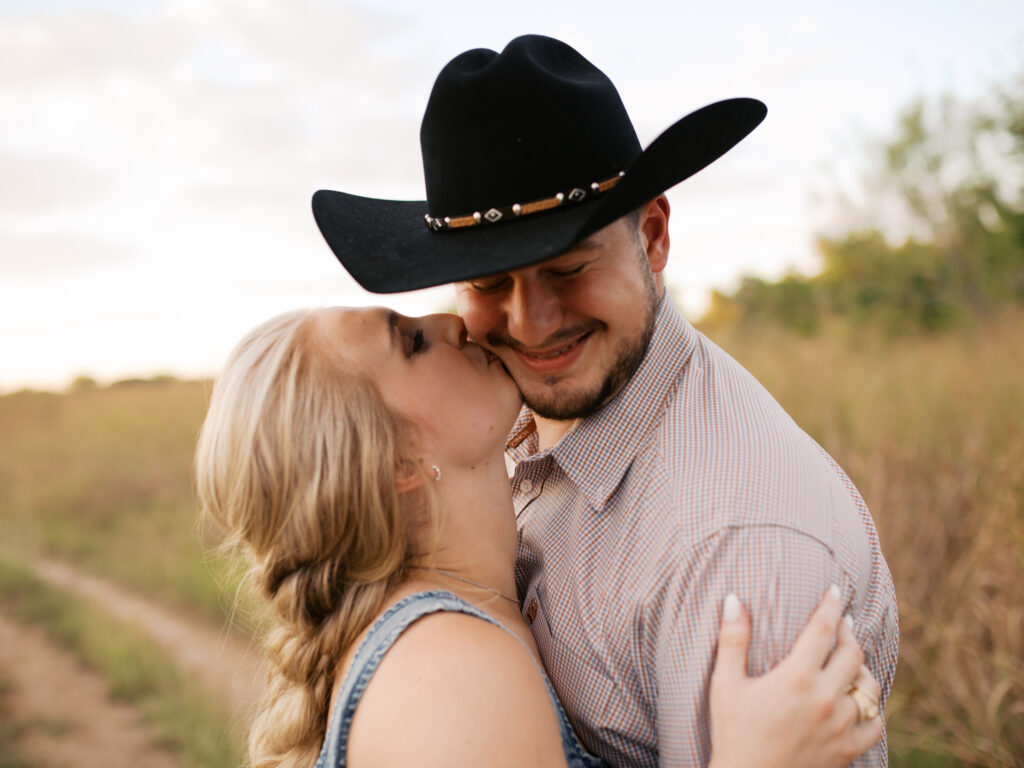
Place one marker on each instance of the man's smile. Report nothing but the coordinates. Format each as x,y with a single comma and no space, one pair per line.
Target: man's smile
552,359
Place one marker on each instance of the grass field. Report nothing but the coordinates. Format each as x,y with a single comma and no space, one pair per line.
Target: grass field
11,727
101,478
930,429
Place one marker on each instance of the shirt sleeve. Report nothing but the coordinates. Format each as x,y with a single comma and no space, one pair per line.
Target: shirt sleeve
780,574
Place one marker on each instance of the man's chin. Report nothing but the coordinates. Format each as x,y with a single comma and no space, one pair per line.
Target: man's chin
569,396
565,406
560,401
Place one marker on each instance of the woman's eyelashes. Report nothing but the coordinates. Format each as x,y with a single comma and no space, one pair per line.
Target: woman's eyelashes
417,343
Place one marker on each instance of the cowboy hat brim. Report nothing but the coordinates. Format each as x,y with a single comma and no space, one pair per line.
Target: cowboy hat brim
386,246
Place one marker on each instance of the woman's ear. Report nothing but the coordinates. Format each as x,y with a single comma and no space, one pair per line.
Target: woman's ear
408,477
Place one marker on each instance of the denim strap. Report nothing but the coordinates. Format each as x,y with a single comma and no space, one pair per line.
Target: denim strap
382,635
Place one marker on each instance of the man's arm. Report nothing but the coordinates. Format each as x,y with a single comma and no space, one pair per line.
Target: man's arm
780,574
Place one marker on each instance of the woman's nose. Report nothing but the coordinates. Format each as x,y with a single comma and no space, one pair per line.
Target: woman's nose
449,328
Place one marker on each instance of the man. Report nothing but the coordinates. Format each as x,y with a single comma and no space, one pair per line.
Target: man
652,474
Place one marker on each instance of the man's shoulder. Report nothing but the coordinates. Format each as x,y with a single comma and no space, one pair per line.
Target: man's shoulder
732,402
725,453
717,408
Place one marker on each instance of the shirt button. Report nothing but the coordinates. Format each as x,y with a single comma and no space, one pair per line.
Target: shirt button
531,610
526,485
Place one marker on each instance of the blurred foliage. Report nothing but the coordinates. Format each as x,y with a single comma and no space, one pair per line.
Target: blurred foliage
937,239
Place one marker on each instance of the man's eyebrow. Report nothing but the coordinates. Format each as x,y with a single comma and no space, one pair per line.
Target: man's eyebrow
587,244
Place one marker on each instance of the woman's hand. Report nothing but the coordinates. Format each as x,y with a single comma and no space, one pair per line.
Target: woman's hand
799,713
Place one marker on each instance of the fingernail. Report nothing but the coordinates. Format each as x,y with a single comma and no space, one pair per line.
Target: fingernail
849,621
731,609
834,591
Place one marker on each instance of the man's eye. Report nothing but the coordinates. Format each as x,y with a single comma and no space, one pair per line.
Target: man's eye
569,272
487,286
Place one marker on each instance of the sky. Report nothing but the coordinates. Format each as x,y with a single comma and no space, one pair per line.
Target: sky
157,157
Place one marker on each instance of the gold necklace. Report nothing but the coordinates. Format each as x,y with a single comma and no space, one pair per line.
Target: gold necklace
455,576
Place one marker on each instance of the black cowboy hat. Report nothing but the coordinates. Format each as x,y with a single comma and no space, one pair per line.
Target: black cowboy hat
525,153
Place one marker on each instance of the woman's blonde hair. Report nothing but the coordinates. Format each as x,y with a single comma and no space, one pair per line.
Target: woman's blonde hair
297,461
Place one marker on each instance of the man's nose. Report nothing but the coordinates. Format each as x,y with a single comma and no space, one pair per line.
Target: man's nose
533,311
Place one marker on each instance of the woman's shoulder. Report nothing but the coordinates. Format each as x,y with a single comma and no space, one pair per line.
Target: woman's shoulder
456,690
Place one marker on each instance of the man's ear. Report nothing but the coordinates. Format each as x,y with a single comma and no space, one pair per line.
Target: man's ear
654,232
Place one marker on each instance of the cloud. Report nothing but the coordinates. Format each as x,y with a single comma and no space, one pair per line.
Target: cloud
49,256
111,121
79,45
35,183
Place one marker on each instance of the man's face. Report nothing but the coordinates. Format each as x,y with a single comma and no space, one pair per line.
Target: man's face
572,330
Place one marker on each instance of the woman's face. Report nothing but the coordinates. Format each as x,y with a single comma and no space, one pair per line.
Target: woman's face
457,395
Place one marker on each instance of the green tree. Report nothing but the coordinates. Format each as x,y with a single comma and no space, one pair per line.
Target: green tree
940,236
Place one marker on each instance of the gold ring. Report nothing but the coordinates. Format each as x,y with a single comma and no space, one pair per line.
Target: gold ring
867,706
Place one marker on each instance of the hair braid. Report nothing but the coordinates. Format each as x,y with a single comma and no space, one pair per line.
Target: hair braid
296,461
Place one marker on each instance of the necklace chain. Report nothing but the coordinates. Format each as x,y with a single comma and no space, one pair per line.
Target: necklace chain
455,576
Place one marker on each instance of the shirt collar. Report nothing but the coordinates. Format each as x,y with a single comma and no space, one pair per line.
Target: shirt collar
598,452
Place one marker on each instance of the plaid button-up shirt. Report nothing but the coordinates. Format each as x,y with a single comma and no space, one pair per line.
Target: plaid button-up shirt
690,484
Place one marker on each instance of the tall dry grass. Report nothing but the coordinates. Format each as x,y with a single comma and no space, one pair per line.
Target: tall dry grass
932,431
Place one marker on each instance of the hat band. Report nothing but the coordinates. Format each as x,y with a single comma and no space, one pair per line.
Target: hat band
517,210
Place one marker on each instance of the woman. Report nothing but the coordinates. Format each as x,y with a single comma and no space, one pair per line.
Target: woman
358,455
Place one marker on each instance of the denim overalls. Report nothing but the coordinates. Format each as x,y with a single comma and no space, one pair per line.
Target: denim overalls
382,635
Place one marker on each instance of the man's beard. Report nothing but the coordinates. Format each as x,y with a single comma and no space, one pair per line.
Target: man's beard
629,354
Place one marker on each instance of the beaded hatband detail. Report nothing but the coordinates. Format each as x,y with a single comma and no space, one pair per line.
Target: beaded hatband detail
517,210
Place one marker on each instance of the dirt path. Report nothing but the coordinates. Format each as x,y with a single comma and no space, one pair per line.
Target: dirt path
225,665
65,711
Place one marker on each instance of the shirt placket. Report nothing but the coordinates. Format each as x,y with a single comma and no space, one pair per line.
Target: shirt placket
527,483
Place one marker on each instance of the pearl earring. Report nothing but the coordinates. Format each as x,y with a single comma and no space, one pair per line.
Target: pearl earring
437,472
